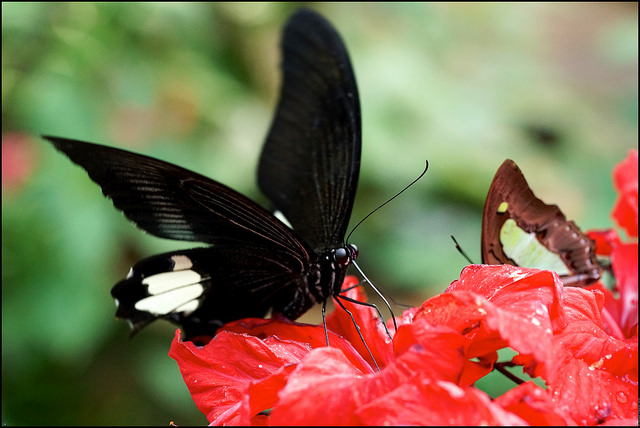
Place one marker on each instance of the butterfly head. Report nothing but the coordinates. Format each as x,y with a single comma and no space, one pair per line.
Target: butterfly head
345,255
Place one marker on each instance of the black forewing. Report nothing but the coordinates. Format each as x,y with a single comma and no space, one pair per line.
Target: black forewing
311,159
172,202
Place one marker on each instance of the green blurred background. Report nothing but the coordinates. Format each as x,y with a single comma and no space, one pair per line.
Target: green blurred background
553,86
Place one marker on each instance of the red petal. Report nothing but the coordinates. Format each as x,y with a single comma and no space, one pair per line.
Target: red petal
605,240
505,285
625,174
625,212
630,422
218,375
261,395
625,177
625,267
238,374
611,312
518,311
441,403
321,391
367,319
312,336
591,395
466,313
585,337
534,405
598,379
428,351
325,376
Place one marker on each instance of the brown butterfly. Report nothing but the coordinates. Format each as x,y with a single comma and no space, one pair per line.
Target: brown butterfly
519,229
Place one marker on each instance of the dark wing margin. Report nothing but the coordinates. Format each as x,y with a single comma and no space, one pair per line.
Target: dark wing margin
174,203
310,162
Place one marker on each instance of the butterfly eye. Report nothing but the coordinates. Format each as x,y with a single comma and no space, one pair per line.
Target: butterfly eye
341,256
344,255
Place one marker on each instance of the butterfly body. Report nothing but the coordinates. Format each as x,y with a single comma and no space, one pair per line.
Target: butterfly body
254,262
521,230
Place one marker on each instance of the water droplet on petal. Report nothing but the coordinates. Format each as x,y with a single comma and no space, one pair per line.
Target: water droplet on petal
621,397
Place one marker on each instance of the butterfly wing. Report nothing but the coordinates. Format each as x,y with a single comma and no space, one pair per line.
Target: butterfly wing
310,161
519,229
203,288
256,262
172,202
309,168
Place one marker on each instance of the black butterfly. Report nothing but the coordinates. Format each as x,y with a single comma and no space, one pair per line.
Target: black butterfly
309,170
519,229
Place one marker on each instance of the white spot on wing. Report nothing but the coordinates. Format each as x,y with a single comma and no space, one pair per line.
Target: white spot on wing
525,249
177,299
282,218
188,307
168,281
181,262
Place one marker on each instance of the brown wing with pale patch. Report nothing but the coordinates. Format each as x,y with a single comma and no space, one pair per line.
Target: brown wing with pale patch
510,197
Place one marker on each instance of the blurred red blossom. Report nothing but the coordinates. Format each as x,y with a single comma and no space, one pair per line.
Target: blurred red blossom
621,308
625,180
18,161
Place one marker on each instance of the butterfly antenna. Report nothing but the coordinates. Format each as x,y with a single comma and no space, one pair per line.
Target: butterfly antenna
461,251
395,324
390,199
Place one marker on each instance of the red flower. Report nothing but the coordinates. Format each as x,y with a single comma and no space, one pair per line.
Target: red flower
532,404
437,353
18,161
597,374
582,342
625,179
621,311
253,365
238,373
